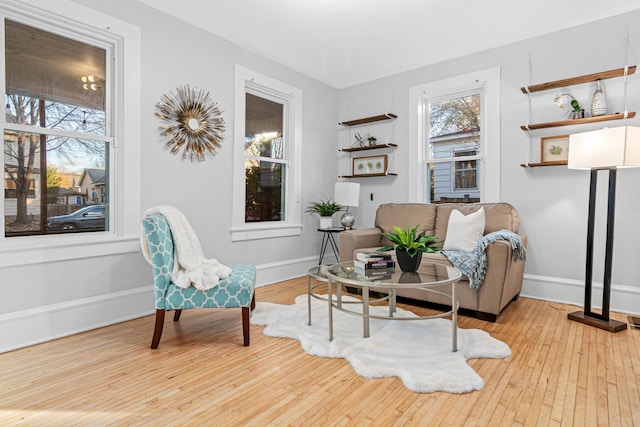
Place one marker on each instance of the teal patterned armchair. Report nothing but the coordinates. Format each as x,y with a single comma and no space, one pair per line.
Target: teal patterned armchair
234,292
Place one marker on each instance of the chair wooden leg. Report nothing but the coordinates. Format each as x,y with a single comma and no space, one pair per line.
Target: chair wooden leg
253,302
176,315
245,324
157,332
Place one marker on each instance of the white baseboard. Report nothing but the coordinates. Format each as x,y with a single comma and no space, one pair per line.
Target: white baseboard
624,299
278,271
32,326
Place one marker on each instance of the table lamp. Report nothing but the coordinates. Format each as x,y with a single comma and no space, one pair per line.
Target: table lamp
347,194
606,149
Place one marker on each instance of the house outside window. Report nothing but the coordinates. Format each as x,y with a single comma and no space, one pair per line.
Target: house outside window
455,139
454,133
267,157
55,123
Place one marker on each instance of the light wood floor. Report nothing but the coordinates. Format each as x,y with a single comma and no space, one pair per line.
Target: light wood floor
561,373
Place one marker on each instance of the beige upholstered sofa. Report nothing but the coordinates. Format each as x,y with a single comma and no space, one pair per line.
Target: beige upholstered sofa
503,279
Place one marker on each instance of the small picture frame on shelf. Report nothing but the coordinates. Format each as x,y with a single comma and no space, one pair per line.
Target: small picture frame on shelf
554,150
369,165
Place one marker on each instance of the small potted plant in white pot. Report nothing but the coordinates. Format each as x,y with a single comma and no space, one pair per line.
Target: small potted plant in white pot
325,209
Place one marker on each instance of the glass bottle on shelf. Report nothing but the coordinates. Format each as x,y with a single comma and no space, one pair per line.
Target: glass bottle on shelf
599,101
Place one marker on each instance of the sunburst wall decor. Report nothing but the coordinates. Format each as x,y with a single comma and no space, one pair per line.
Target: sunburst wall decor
193,122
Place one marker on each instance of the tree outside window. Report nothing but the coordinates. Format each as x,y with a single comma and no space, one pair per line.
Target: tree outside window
264,159
454,147
55,126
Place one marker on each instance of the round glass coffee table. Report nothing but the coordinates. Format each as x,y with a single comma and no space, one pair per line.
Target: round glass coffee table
430,277
319,274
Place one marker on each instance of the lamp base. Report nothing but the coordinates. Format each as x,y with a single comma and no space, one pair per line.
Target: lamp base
347,220
607,325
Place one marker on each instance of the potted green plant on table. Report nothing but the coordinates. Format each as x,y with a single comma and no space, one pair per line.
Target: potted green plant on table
409,246
325,209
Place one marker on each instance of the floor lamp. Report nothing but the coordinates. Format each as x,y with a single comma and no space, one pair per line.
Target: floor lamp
606,149
347,194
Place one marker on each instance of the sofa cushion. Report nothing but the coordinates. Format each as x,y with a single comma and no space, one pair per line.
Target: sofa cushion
464,231
498,216
406,214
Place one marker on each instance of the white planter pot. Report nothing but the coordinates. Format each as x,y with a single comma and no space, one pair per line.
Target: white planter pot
326,221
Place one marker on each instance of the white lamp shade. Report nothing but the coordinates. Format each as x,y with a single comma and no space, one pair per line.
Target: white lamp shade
347,193
605,148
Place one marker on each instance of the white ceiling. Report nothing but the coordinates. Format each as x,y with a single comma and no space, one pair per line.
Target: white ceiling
346,42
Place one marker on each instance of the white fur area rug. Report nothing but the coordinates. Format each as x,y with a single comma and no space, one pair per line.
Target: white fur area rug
417,351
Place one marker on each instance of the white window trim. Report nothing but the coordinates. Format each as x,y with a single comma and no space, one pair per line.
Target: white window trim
290,225
489,81
125,173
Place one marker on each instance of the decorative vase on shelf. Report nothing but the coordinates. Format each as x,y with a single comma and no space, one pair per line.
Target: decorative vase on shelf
599,101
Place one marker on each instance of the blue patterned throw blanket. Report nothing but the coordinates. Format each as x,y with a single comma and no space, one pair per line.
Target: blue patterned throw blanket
474,264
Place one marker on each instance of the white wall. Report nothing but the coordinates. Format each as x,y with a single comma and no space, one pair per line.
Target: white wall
42,301
552,201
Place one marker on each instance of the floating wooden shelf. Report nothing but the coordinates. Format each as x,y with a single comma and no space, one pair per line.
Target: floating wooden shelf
370,147
370,176
578,80
381,117
617,116
537,165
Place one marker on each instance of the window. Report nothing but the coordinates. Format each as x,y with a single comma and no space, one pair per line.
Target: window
465,172
455,139
265,161
56,127
454,132
69,84
266,155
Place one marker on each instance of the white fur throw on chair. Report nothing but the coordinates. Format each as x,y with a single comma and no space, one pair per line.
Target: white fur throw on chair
189,265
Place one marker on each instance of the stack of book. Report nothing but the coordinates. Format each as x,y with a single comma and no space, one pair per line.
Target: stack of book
373,264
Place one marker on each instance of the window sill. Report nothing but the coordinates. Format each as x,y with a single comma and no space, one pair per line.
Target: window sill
41,249
264,231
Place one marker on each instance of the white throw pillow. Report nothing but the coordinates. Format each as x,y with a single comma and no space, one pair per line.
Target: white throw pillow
464,231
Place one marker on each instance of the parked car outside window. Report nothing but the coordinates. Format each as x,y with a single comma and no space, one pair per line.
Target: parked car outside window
88,218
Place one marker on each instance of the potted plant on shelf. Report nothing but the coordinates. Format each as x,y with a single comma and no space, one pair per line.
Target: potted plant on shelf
566,100
325,209
410,246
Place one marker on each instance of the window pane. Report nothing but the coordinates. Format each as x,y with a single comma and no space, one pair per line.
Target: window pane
465,189
263,128
465,171
264,191
465,180
47,180
48,72
55,83
454,115
454,131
